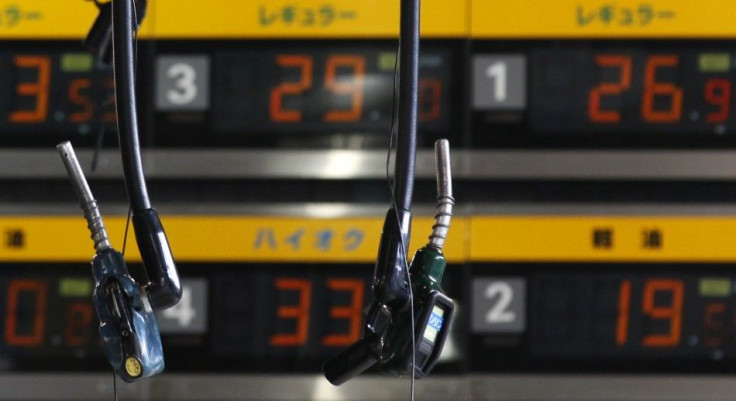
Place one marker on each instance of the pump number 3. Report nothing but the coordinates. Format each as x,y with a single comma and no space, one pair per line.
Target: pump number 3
182,83
499,305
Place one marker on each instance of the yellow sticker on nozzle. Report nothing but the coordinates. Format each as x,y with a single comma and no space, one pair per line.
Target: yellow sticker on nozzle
133,367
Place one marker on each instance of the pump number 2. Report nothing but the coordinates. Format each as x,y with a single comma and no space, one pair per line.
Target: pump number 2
182,83
499,305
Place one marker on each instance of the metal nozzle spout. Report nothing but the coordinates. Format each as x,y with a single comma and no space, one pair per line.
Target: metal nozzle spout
86,199
445,201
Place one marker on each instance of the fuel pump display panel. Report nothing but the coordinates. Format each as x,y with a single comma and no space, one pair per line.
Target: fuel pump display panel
605,317
632,91
543,94
52,92
316,89
603,94
232,318
223,93
296,94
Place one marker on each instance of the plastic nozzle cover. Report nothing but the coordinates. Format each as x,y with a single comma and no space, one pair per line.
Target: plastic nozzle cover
164,289
128,327
352,361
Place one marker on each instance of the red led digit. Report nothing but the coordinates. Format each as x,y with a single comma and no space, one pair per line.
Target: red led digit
35,337
39,89
430,93
718,93
354,87
78,320
76,87
713,323
672,312
350,312
624,303
652,89
298,312
595,113
306,64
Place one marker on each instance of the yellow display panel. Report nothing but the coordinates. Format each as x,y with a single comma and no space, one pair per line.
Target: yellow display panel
596,238
177,19
600,18
231,19
355,240
49,19
302,18
220,239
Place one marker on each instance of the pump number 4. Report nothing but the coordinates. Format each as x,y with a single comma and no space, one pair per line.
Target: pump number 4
499,305
189,316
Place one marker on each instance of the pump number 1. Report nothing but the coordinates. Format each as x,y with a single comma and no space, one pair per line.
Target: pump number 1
499,82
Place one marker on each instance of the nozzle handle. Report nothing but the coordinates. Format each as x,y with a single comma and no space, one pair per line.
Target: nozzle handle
352,361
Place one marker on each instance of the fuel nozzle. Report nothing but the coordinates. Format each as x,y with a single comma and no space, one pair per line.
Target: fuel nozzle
128,326
387,334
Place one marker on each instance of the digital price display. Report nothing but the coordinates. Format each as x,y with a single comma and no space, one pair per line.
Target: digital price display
641,318
321,89
52,93
632,90
573,94
240,318
289,313
296,94
47,315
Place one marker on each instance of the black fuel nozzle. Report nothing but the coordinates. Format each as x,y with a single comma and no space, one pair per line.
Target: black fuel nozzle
162,280
391,294
128,325
99,37
387,335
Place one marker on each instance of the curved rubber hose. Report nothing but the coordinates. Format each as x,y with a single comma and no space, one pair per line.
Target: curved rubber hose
123,30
